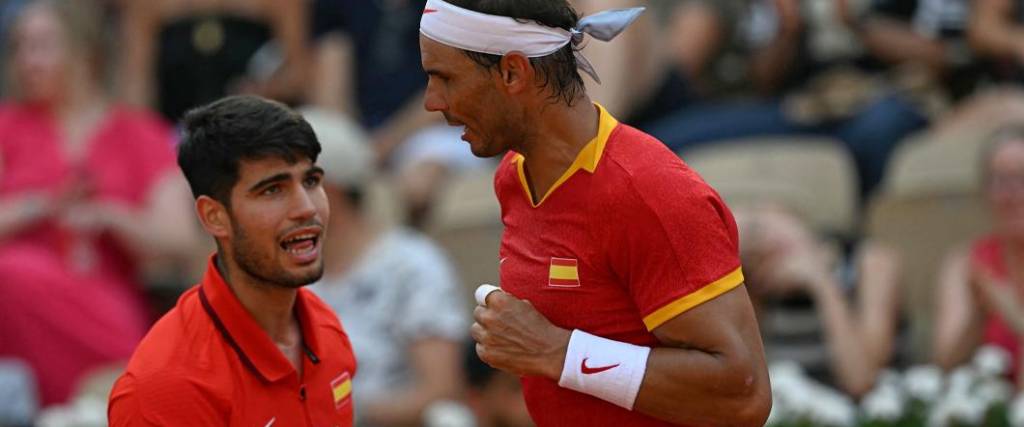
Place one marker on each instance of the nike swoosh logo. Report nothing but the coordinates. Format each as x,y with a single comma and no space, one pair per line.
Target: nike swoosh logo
502,261
271,422
590,371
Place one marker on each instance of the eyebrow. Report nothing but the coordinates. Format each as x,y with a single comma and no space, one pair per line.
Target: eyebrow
283,176
315,170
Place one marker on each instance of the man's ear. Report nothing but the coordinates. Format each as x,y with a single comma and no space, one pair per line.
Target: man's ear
214,216
516,72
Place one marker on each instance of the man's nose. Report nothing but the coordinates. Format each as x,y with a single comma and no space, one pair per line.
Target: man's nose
433,100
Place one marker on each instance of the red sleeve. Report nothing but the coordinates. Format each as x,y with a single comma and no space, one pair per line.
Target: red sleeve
165,399
681,244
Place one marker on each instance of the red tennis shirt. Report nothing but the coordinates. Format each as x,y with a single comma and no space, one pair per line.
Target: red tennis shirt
208,363
628,238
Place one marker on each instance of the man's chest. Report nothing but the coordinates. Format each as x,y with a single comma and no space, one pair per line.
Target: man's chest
322,398
563,263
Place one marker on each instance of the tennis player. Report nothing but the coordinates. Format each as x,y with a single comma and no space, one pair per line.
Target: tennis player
622,300
247,346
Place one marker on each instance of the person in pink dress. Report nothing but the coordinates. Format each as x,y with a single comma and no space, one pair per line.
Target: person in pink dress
88,190
981,289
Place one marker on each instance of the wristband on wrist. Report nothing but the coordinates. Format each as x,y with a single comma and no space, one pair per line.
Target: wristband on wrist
603,368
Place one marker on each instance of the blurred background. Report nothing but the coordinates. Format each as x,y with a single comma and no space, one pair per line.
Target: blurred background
872,152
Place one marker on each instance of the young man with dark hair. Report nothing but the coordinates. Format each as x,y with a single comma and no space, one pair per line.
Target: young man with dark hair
623,301
247,346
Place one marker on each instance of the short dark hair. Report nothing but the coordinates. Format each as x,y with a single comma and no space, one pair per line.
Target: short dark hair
219,135
557,69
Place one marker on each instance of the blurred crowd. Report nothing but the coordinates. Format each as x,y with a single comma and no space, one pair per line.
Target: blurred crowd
880,205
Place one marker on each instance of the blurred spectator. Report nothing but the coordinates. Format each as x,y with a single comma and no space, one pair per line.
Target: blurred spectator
996,33
919,36
979,295
181,54
837,321
631,67
88,189
392,288
495,397
835,98
368,66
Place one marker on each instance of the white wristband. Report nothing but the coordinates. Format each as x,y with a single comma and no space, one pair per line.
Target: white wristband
606,369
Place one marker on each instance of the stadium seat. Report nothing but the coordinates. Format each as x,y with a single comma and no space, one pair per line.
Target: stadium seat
925,164
813,176
929,204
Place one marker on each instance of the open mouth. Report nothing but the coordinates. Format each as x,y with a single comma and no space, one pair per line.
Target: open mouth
303,244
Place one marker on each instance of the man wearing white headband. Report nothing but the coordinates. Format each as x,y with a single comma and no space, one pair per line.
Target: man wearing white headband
622,299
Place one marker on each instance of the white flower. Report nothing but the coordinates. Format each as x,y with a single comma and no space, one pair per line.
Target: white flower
961,381
56,416
90,411
884,403
448,414
797,397
1016,412
832,409
991,361
888,377
779,413
993,390
970,411
923,382
939,415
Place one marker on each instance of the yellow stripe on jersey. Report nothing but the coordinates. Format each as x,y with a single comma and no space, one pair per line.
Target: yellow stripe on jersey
677,307
341,391
564,272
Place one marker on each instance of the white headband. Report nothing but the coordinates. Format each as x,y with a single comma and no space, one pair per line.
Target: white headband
469,30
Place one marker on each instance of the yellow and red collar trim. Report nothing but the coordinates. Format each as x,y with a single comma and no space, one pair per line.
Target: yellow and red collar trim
587,159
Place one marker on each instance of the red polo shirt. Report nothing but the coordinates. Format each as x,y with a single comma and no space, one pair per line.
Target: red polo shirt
627,239
208,363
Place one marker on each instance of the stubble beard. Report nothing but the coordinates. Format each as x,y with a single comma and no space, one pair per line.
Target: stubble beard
262,267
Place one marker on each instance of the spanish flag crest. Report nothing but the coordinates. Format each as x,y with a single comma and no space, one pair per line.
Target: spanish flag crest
341,389
564,273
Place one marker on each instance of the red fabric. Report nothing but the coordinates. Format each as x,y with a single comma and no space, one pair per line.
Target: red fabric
210,364
987,252
644,231
64,320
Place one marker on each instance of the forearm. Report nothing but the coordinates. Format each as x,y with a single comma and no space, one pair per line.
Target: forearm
144,236
162,227
896,43
696,387
958,313
403,124
991,33
771,64
854,372
878,300
18,213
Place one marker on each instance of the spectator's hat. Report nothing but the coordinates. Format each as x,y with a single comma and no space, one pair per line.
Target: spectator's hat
346,157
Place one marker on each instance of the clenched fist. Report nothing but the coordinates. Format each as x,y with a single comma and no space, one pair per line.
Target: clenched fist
513,336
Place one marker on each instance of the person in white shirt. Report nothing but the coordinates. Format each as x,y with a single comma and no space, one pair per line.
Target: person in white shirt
393,289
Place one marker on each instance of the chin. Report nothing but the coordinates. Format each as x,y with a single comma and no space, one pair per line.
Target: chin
308,275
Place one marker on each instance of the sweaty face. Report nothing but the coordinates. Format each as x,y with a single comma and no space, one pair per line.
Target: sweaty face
469,95
278,211
1005,188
